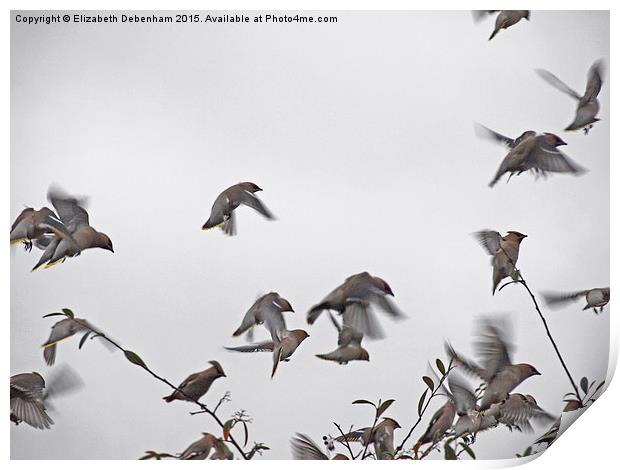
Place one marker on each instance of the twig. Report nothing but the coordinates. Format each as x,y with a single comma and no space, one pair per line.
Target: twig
202,406
433,395
346,441
370,434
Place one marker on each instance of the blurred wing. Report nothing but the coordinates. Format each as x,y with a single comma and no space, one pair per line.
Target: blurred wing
490,240
485,132
360,317
304,448
463,397
249,319
479,15
557,83
274,322
386,305
595,82
265,346
249,199
493,349
548,158
69,209
557,299
31,412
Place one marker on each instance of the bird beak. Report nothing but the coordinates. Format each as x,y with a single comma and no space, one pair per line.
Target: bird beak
561,142
110,249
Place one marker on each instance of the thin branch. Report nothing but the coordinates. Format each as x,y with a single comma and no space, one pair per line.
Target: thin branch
202,406
370,434
346,441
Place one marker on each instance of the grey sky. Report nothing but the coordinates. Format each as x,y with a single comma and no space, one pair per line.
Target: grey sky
360,134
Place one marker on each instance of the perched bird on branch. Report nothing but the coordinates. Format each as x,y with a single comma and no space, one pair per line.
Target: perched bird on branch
596,298
196,385
222,212
505,253
587,104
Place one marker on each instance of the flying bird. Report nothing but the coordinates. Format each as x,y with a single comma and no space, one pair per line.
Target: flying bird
533,152
440,423
518,410
596,298
504,20
266,310
77,237
505,253
382,438
222,212
353,299
305,448
497,370
62,330
349,347
284,344
33,224
587,104
196,385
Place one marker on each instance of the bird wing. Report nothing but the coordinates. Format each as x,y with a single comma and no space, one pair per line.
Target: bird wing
353,436
545,157
493,350
249,199
69,209
256,347
359,316
463,397
553,299
479,15
304,448
518,410
249,319
274,321
557,83
485,132
593,87
490,240
350,336
467,364
31,412
28,384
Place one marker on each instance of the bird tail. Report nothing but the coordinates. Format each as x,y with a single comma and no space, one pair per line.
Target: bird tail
495,31
314,313
277,356
169,398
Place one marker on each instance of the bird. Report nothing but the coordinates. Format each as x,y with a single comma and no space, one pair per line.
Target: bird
596,298
533,152
440,423
27,400
353,299
518,410
498,372
79,235
222,212
552,433
471,418
196,385
32,224
505,253
31,395
349,347
283,346
588,105
201,449
266,310
62,330
304,448
382,438
504,20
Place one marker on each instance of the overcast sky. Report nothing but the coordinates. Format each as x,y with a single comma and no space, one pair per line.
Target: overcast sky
361,135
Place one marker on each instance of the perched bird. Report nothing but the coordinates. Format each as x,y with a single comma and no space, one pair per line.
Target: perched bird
196,385
62,330
222,212
588,105
596,298
283,346
266,310
201,449
505,253
382,437
305,448
77,237
31,395
440,423
504,20
532,152
32,224
349,347
353,300
27,400
552,433
497,371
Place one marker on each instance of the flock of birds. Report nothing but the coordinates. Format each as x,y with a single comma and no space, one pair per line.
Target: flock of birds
65,232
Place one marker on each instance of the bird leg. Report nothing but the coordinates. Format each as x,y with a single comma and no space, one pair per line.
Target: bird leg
27,245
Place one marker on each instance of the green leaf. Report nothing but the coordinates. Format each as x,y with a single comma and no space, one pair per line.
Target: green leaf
421,402
68,312
584,384
449,453
384,406
469,451
440,367
429,382
54,314
364,402
83,340
135,359
245,433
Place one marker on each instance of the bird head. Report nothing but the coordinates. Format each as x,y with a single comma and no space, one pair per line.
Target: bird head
527,370
217,366
384,286
103,241
253,188
283,305
553,139
527,15
518,235
364,356
392,423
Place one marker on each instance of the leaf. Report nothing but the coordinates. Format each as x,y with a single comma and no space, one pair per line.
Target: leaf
421,402
68,312
429,382
83,340
227,427
245,433
449,453
384,406
364,402
54,315
584,384
469,451
440,367
135,359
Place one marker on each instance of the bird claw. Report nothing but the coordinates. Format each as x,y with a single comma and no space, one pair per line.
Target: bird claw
27,245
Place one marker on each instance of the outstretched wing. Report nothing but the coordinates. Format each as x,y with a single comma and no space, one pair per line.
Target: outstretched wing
304,448
490,240
249,199
557,83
